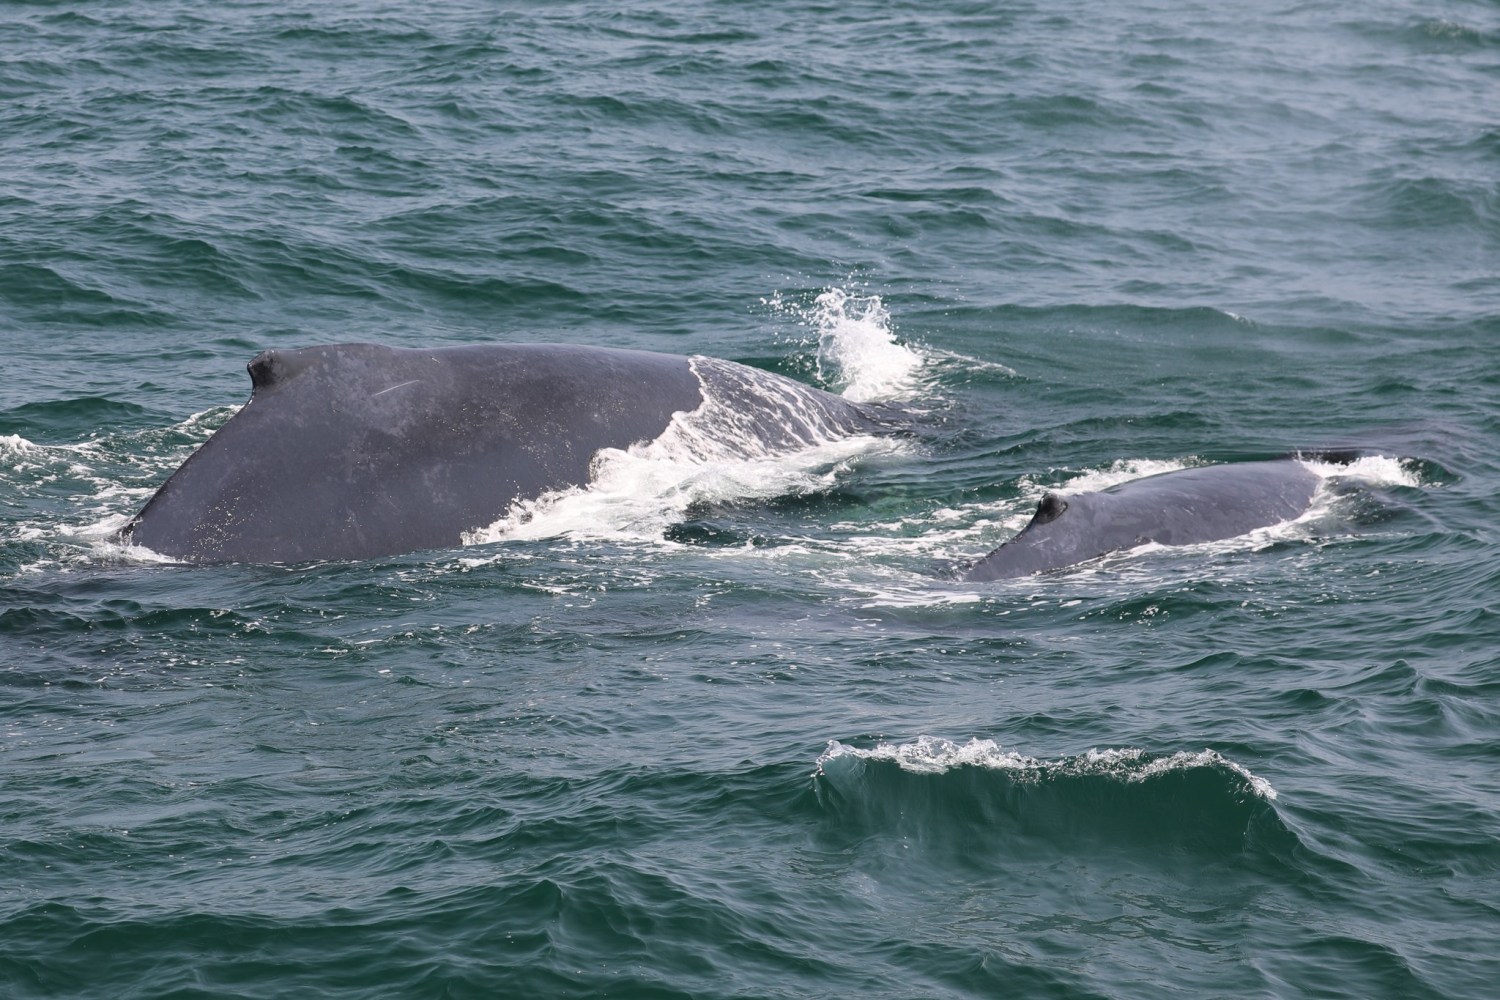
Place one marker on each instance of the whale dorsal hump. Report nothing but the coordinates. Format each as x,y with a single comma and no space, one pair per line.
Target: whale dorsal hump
272,369
1050,508
267,369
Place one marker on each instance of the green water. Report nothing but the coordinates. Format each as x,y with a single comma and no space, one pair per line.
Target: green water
735,730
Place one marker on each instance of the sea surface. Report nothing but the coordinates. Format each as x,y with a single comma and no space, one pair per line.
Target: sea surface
730,724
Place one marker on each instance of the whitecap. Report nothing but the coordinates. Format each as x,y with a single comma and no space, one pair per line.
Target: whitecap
935,755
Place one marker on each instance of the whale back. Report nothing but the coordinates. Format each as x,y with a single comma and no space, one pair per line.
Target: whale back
1184,507
358,450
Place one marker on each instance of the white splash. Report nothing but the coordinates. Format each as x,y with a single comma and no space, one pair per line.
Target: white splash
1376,470
857,348
14,447
1121,471
858,354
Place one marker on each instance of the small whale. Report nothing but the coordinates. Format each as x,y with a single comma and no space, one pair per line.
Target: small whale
1184,507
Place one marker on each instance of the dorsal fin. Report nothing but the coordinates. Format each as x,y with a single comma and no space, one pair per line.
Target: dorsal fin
270,369
1049,508
266,370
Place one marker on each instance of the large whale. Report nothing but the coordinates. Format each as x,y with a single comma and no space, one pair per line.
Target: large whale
355,451
1204,504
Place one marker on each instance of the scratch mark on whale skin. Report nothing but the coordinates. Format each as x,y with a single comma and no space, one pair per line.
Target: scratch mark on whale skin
393,388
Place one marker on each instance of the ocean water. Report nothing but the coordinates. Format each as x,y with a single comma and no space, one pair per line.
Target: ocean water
726,724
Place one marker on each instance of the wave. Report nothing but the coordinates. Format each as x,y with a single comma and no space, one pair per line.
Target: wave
78,417
938,790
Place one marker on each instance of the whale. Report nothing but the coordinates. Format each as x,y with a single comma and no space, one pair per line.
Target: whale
357,451
1184,507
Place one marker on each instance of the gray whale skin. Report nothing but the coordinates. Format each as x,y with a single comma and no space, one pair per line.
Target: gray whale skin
354,451
1185,507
